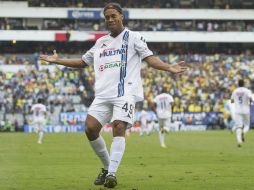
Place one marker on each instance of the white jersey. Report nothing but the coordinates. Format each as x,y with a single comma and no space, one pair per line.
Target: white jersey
117,64
241,97
163,105
39,111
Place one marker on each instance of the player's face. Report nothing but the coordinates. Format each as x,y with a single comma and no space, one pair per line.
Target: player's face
114,20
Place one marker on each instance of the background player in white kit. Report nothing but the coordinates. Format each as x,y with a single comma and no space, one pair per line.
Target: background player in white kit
143,120
39,118
164,105
116,59
242,98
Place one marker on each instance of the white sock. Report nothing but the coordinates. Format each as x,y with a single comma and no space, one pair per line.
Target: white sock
40,136
99,147
239,135
116,153
141,131
161,136
149,128
246,129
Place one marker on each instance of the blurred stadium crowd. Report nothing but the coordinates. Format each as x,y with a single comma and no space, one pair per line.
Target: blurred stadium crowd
138,25
218,4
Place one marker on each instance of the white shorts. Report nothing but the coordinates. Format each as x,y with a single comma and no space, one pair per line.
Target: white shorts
39,124
242,120
106,110
164,122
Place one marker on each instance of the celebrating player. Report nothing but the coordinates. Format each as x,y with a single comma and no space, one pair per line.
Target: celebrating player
116,59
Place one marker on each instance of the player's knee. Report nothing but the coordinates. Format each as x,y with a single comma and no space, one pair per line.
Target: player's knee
91,133
92,129
119,128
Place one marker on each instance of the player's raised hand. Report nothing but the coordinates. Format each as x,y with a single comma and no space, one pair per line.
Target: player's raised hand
178,68
49,58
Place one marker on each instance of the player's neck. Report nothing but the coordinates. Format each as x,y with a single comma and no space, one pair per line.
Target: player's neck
117,32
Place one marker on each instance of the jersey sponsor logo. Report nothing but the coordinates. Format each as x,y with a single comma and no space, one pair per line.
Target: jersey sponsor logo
110,52
110,65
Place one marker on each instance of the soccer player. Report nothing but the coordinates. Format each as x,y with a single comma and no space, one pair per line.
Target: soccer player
116,59
143,121
164,106
39,117
242,98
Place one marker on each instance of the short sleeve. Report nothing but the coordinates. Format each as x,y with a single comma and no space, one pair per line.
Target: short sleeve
88,57
141,46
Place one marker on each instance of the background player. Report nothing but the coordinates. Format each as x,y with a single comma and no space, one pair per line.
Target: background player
143,120
242,98
164,106
39,118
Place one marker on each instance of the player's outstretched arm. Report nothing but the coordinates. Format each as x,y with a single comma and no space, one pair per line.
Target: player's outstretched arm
156,63
76,63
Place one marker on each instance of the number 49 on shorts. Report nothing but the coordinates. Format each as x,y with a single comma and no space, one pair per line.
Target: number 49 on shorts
128,108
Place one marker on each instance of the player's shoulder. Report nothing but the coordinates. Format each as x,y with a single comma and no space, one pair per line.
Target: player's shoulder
169,95
157,96
243,89
131,32
166,94
102,40
135,34
42,105
35,105
237,89
246,89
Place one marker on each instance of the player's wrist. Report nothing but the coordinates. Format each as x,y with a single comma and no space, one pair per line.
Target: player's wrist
169,69
58,61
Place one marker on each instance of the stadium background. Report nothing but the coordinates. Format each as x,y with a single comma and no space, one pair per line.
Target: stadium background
215,38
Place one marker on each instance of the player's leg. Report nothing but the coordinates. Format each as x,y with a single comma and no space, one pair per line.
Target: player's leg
98,144
40,132
232,125
149,127
122,118
98,115
141,132
144,126
162,133
116,152
37,130
118,145
246,125
239,129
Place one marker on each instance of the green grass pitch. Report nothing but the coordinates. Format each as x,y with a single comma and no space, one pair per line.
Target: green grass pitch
207,160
